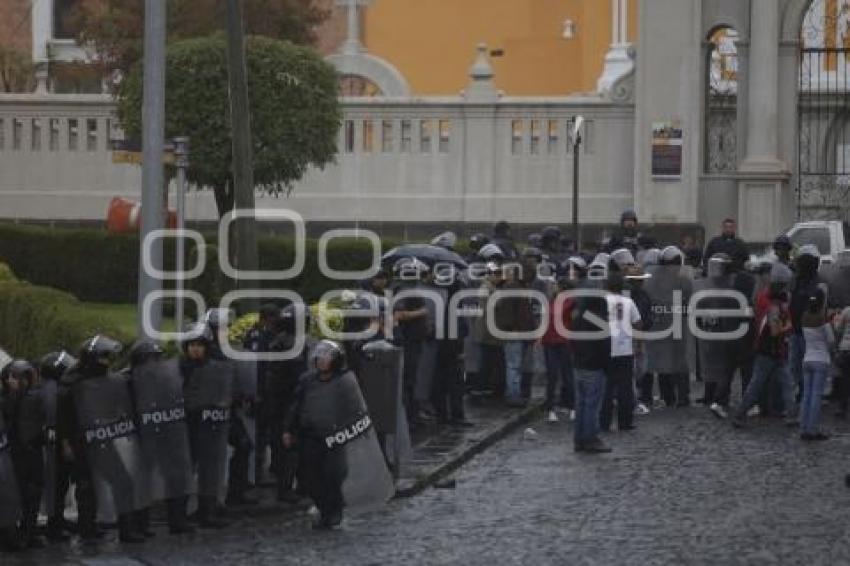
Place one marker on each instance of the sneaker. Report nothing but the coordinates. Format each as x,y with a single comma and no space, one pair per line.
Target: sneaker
552,418
754,412
718,411
641,409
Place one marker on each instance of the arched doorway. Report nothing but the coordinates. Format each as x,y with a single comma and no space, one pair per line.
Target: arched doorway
823,186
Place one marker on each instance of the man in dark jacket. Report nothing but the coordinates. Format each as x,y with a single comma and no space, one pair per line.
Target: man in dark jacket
728,243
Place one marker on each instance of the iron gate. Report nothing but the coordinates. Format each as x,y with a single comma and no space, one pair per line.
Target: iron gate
823,182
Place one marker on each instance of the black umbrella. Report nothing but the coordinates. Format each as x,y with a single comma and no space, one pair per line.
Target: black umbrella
427,253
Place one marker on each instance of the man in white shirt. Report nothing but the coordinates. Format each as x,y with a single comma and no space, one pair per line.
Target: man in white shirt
623,318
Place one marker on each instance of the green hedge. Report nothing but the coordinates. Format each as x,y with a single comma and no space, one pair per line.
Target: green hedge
96,266
35,320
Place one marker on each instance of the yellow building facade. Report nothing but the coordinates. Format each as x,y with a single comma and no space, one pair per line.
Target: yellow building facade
537,47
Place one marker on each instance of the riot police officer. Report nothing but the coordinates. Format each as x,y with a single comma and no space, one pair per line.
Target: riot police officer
10,503
281,379
57,471
96,412
25,413
242,425
161,418
341,462
208,390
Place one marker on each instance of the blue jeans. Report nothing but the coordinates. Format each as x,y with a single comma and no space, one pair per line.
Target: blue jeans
814,379
559,370
514,356
796,353
589,388
765,367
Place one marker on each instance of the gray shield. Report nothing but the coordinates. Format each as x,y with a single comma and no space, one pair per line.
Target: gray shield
209,397
670,292
381,374
10,504
106,419
368,483
717,356
51,448
163,433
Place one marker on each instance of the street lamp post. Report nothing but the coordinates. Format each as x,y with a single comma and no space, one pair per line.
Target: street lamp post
153,139
181,155
576,141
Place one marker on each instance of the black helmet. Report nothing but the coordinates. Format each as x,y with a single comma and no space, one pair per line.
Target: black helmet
97,349
55,364
551,234
330,349
144,349
197,332
21,367
628,214
782,242
477,241
291,314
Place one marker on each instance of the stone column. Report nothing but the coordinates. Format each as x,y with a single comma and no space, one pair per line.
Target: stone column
763,184
762,154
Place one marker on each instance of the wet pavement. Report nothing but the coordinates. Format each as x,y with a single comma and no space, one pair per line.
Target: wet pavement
684,488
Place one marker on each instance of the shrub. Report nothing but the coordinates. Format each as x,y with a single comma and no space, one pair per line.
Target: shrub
99,267
6,273
36,320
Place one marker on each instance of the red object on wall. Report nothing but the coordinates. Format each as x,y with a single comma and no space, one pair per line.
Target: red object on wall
124,215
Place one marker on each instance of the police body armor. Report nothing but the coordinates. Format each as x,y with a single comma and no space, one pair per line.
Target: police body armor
670,293
209,396
381,373
336,415
163,432
10,503
717,357
108,431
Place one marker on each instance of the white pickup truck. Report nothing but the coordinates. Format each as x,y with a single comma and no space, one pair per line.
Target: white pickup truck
832,238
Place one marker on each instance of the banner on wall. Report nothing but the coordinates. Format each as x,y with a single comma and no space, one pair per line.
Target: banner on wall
667,150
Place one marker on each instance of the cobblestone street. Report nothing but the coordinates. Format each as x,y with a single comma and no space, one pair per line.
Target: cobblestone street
683,488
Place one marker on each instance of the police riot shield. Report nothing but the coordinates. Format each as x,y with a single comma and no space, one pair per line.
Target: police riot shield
209,396
10,503
163,433
381,374
368,483
670,293
50,389
105,416
5,359
717,353
246,388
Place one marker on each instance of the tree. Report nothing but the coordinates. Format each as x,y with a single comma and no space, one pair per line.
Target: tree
114,27
295,112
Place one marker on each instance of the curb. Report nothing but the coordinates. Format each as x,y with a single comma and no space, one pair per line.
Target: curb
412,487
409,487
